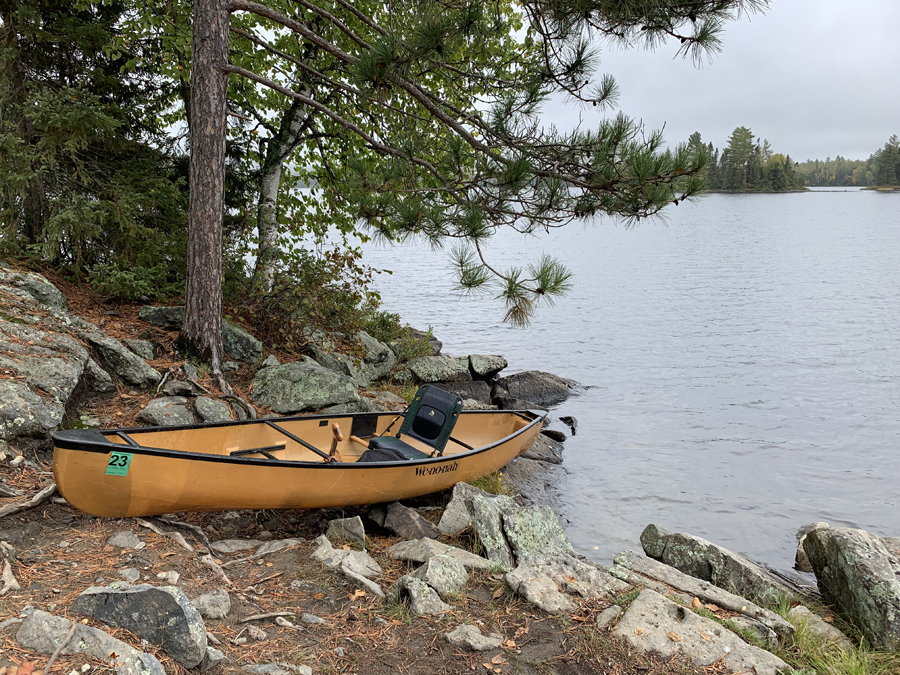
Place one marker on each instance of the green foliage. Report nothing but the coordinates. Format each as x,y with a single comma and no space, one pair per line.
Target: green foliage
126,283
493,484
387,328
323,290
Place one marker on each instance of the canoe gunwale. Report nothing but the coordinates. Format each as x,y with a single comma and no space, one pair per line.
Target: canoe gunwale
69,440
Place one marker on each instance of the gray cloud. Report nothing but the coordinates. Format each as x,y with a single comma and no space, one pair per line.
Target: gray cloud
815,77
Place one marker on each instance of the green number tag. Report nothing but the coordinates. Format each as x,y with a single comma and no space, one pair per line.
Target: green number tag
119,463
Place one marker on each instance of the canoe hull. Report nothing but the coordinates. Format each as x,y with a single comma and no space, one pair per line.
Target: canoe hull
169,481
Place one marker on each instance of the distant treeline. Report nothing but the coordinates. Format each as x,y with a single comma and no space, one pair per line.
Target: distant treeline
881,168
748,165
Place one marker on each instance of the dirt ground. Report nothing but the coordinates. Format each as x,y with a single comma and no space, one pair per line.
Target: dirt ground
59,552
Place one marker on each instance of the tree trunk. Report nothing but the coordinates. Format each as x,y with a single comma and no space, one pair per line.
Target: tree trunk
201,334
294,123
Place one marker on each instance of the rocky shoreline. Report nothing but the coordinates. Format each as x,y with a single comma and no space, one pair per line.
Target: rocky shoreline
452,583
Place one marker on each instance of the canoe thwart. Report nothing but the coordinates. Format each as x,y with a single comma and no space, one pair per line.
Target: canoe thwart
262,451
300,441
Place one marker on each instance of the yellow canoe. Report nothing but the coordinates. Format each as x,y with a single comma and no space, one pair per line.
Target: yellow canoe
273,463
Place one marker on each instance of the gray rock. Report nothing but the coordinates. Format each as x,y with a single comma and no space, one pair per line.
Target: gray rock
470,637
190,370
180,388
277,545
358,566
362,581
444,574
122,361
347,528
541,388
211,410
439,369
168,411
704,560
96,379
169,318
124,539
542,579
476,390
213,658
240,345
423,600
24,413
234,545
301,386
143,348
42,632
364,404
48,361
361,563
636,569
892,544
163,616
485,367
763,634
554,435
534,530
651,621
387,400
532,480
802,618
41,291
420,550
472,404
858,574
407,523
456,516
270,360
801,560
488,522
377,360
213,605
511,403
267,669
311,618
608,615
544,449
129,574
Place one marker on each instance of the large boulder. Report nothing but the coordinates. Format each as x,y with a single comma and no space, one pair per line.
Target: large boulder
163,616
130,367
34,286
475,390
168,411
541,388
301,386
704,560
654,624
535,530
377,360
486,367
429,369
42,632
861,577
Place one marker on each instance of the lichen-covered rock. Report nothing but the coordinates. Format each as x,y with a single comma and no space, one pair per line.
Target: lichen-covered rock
470,637
485,367
168,318
535,530
655,625
42,632
858,574
545,449
122,361
142,348
801,617
377,360
347,528
456,516
545,580
444,574
421,550
211,410
301,386
442,368
240,345
24,413
423,600
477,390
407,523
41,291
704,560
163,616
213,605
542,388
168,411
801,560
487,519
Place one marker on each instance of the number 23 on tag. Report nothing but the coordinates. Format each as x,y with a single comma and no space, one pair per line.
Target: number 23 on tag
119,463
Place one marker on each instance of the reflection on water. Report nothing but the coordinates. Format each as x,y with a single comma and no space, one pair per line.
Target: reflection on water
741,365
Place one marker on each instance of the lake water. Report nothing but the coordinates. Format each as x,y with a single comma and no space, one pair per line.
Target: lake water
740,364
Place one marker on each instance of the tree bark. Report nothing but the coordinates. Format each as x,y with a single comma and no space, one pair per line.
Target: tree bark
201,334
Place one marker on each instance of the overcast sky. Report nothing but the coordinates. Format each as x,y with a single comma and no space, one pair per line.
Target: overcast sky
816,77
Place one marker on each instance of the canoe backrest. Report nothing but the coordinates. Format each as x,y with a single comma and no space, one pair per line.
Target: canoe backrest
431,416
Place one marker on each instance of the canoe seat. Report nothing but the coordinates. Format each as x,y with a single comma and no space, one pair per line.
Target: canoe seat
430,419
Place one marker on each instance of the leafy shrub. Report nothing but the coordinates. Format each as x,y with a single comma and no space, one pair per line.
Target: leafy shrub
386,327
